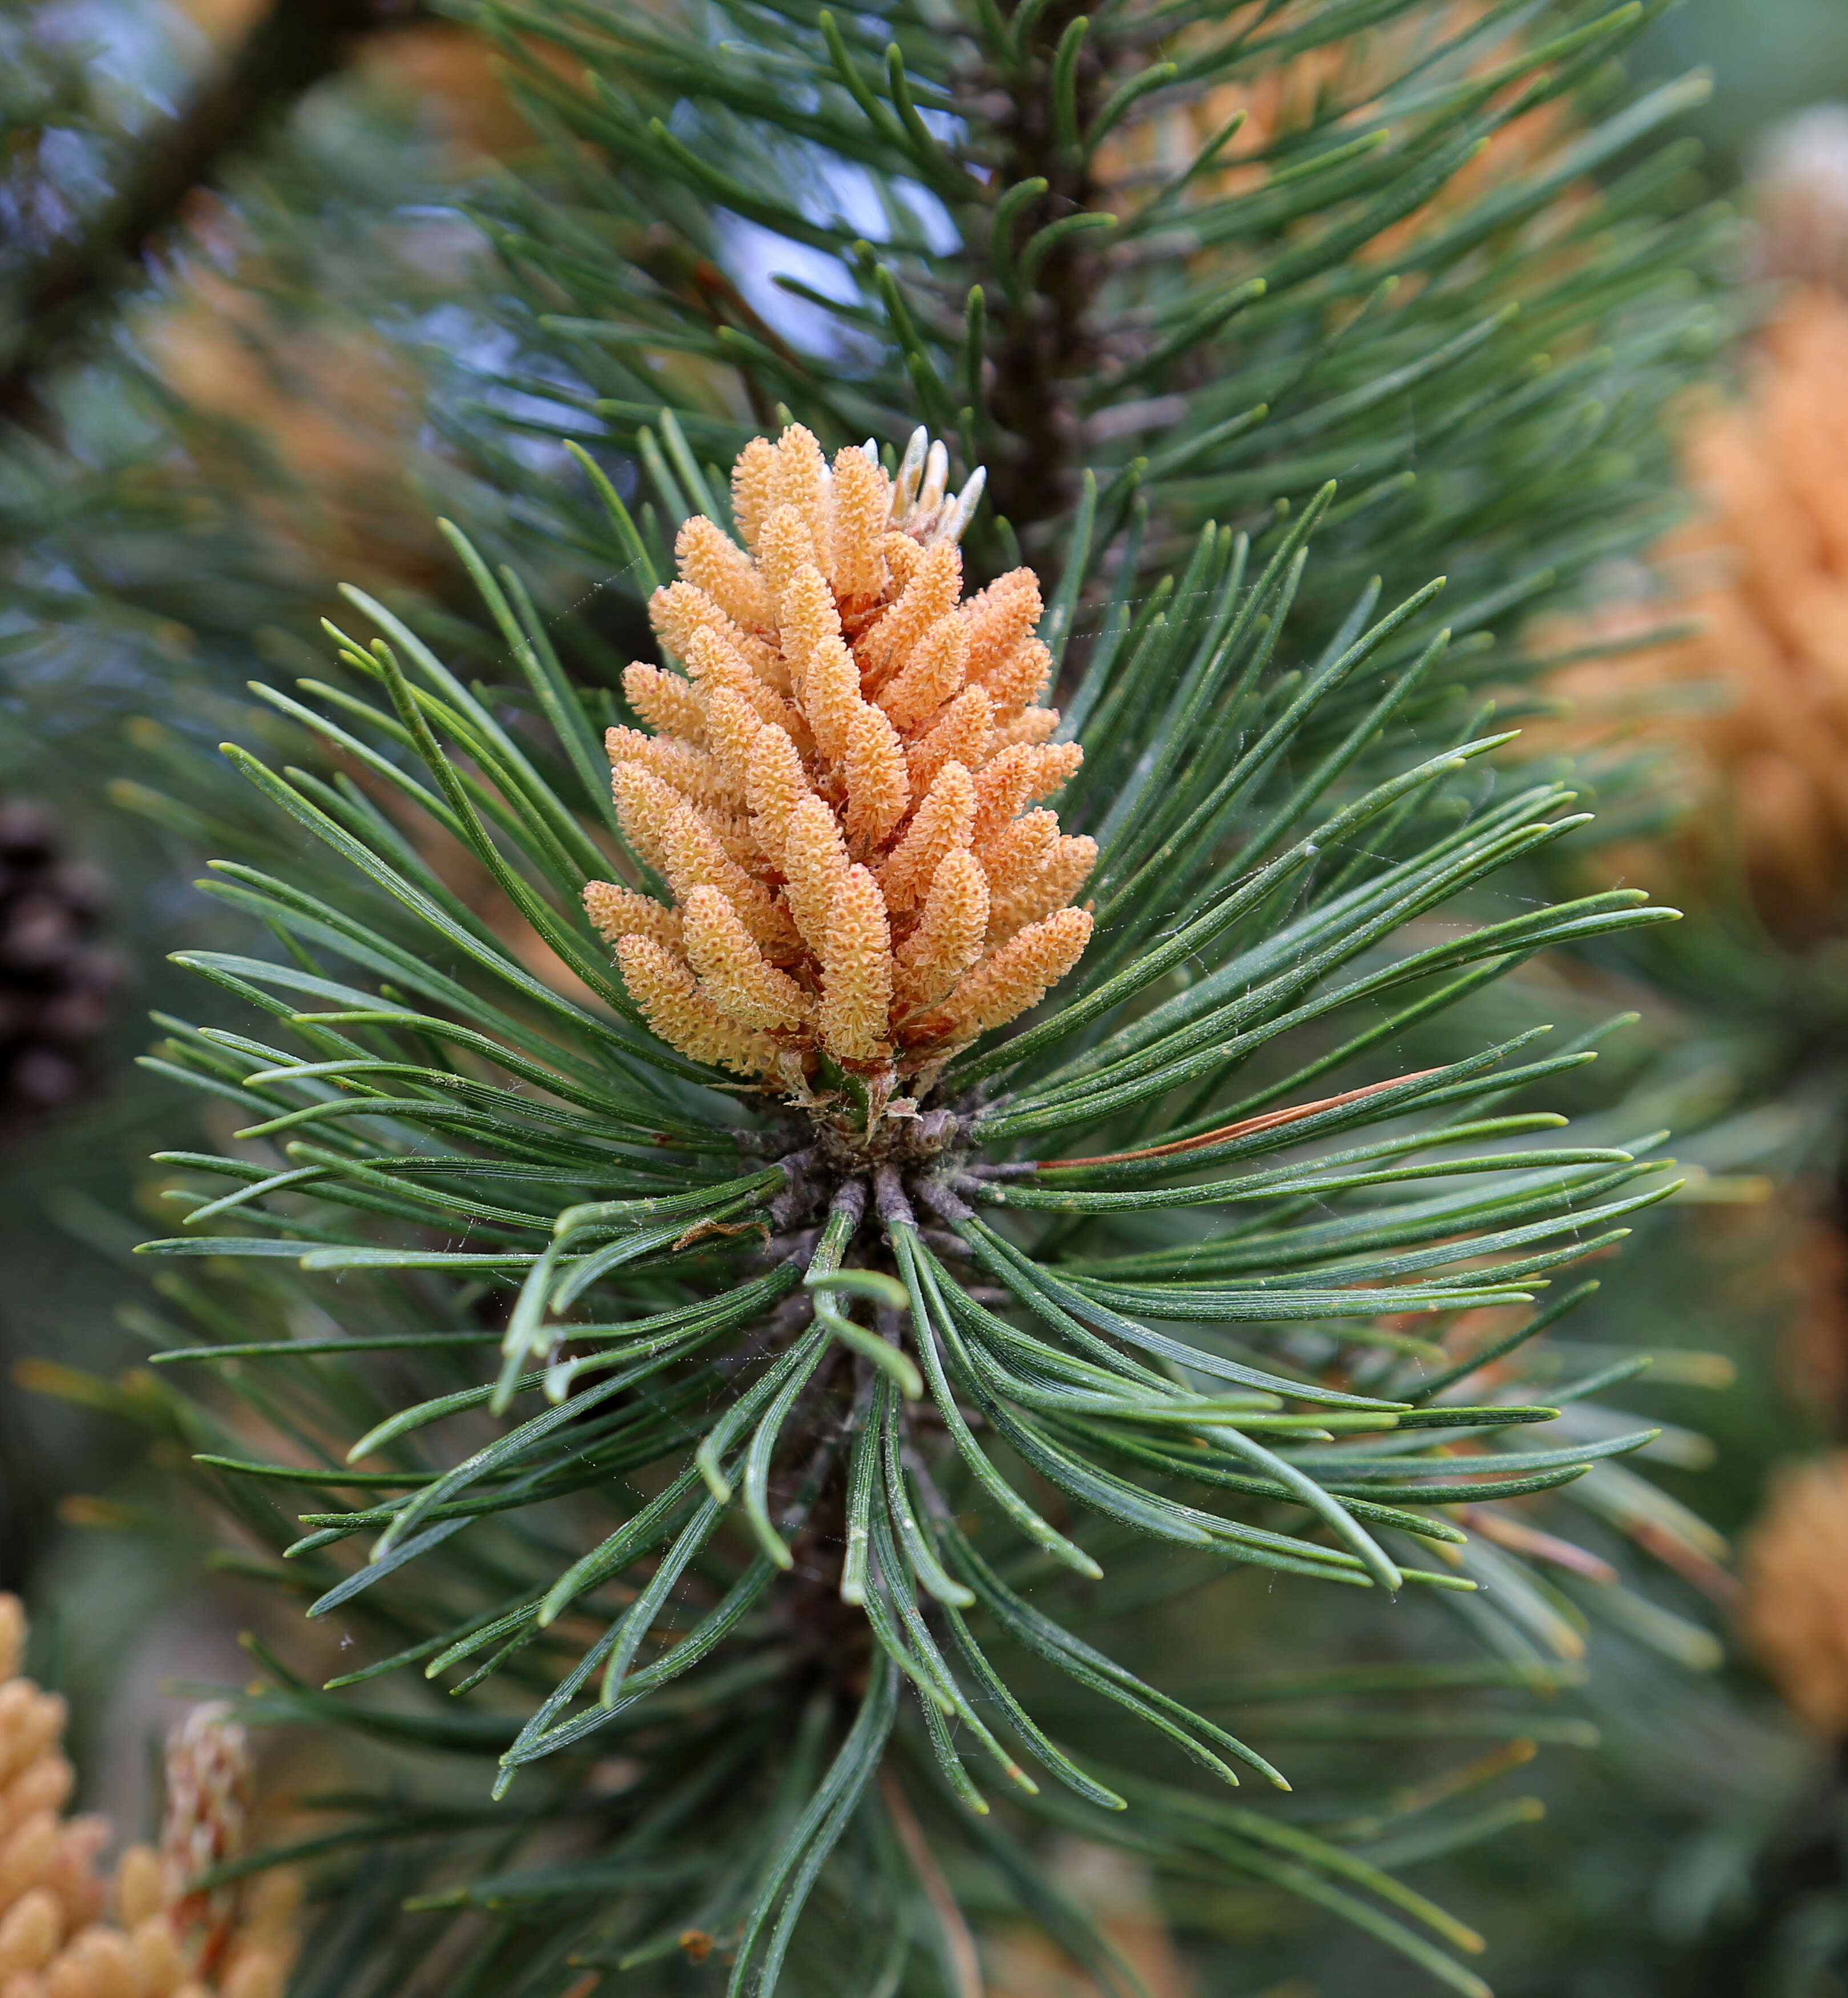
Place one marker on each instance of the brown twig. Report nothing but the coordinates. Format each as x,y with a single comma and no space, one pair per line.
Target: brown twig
1268,1120
294,44
965,1965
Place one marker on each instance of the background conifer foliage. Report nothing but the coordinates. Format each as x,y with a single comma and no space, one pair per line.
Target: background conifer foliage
1236,250
950,1283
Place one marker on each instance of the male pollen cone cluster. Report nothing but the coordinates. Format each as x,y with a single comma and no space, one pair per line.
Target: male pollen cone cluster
166,1940
842,788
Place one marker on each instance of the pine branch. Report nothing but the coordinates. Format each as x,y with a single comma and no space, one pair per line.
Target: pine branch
912,1184
293,46
1332,293
828,1320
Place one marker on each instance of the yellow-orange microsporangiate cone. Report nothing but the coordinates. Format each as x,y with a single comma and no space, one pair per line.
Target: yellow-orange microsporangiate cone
840,780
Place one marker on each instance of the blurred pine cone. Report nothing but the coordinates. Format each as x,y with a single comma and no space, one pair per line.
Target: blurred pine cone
1794,1613
56,985
1748,695
304,418
447,77
1344,79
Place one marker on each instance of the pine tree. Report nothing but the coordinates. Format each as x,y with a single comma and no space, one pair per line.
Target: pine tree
829,1232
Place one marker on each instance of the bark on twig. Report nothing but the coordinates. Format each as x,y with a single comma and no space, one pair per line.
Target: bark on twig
1044,344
